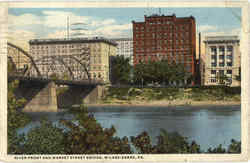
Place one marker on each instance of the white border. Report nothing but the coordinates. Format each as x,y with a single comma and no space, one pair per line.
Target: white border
147,158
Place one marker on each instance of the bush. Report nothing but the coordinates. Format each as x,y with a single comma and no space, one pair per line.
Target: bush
167,143
15,119
45,139
88,137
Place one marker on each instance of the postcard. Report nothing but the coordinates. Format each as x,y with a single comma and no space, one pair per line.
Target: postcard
124,81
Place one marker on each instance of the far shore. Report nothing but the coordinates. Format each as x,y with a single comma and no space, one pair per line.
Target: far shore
167,103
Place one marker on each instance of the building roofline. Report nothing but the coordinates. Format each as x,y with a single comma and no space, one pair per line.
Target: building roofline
72,40
122,39
222,38
169,16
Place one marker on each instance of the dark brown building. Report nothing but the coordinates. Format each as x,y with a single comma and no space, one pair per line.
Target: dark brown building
165,37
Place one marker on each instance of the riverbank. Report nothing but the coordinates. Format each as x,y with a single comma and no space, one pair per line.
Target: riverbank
166,103
217,96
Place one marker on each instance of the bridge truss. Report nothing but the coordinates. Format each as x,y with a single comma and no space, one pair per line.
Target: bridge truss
65,67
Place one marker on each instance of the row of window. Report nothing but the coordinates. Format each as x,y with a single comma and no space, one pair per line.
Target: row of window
163,35
221,72
163,27
183,47
222,64
214,57
181,57
161,42
64,46
214,49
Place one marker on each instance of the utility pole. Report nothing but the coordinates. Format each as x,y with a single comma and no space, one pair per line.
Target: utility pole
199,48
68,27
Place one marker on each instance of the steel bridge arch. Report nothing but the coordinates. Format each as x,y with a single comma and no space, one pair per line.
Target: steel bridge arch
26,54
83,65
59,59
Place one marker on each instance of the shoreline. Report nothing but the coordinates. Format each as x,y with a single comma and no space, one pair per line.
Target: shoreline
168,103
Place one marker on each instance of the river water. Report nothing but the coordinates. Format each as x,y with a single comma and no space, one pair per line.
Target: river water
209,126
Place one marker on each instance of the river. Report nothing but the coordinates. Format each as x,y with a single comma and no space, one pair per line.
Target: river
209,126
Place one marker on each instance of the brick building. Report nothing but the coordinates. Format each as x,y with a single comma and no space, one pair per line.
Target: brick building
165,37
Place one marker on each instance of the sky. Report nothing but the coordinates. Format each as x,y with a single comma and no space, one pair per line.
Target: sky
33,23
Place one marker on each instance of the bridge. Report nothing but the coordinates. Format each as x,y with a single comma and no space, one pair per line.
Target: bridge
41,78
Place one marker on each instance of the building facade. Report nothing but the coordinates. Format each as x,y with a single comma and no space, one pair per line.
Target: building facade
84,57
221,61
165,37
125,48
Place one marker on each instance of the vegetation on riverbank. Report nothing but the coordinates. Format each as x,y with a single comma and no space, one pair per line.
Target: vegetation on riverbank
150,95
15,119
84,135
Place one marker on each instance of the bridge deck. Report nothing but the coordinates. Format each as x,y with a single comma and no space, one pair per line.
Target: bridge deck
59,81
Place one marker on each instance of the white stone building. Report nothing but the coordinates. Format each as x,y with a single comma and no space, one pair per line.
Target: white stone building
125,48
222,58
61,55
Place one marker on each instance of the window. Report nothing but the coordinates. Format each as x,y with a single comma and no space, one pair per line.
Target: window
221,49
213,50
229,71
221,57
213,56
213,80
213,64
213,71
229,64
229,48
221,72
221,64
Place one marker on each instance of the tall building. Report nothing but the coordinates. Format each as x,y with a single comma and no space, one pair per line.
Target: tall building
165,37
93,53
125,48
222,59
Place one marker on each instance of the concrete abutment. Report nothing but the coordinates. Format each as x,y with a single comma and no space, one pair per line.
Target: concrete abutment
44,101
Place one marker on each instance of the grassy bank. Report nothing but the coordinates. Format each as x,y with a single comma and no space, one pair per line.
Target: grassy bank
172,96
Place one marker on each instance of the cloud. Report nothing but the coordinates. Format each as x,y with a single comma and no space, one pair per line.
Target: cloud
114,30
21,38
58,19
23,20
206,28
95,23
57,34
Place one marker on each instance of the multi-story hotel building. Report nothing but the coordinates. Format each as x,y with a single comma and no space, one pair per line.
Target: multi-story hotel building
125,48
93,53
165,37
222,58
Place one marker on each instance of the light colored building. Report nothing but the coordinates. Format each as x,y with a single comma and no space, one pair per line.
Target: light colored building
221,60
20,60
125,48
62,55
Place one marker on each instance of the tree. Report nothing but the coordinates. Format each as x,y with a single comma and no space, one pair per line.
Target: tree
45,139
15,119
167,143
160,72
88,137
222,79
120,70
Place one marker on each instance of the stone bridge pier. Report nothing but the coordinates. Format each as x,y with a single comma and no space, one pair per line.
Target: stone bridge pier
43,100
49,97
76,95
